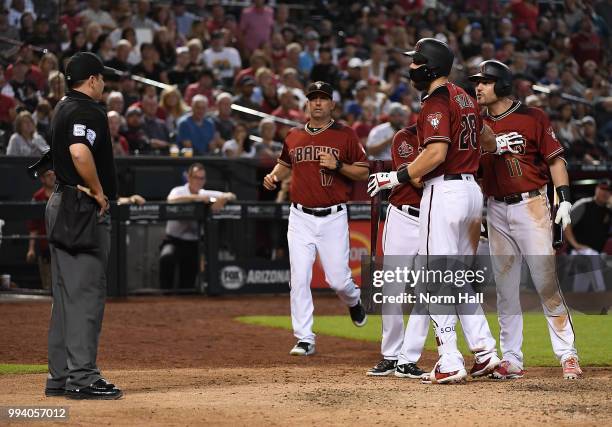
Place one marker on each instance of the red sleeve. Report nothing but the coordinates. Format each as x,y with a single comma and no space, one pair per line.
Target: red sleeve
405,148
356,154
548,144
435,121
284,158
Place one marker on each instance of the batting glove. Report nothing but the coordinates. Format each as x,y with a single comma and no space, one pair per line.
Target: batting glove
563,214
381,181
506,143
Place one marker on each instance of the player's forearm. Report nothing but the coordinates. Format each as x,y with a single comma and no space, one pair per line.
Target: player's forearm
487,140
430,158
86,168
569,236
282,172
32,242
558,172
355,172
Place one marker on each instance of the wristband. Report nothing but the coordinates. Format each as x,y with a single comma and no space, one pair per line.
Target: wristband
339,165
403,176
563,191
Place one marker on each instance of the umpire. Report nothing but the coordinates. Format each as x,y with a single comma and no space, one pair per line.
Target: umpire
82,157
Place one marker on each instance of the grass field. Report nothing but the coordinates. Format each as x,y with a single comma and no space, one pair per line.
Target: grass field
593,335
22,369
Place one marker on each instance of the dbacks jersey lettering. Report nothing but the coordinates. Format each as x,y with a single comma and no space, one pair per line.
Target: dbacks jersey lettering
452,116
404,149
312,185
527,170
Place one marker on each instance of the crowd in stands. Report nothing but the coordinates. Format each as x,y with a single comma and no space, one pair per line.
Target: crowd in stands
261,57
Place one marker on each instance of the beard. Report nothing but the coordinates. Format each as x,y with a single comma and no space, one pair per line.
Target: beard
420,78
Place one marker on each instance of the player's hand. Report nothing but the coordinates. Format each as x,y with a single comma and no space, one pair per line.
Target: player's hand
327,160
381,181
30,256
509,143
563,214
270,181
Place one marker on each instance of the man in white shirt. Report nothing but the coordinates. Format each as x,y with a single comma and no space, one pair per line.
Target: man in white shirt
180,248
380,138
225,61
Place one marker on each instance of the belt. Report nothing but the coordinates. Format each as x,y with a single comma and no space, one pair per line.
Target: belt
513,199
318,212
410,210
457,177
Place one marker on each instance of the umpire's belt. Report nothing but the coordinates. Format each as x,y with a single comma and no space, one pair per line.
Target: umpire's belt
318,211
513,199
410,210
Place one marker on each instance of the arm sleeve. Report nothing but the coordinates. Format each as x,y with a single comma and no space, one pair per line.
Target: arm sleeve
356,154
436,121
284,158
83,129
548,144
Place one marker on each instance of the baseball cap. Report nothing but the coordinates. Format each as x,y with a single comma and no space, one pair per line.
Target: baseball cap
397,108
247,80
319,87
133,110
355,63
85,64
604,184
587,119
312,35
361,84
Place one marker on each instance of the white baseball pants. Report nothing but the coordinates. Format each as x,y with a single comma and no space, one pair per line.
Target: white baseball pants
525,229
329,237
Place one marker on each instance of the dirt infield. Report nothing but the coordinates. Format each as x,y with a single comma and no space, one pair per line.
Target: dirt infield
186,361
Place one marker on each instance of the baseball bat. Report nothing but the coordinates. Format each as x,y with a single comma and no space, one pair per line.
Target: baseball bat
557,228
375,213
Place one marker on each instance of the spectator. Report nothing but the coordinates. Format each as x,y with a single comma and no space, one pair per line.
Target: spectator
196,131
134,57
25,90
134,133
26,141
70,17
180,74
224,61
256,24
120,144
366,122
381,136
588,149
93,30
377,63
586,44
310,55
94,13
179,251
246,86
195,53
115,102
268,148
155,129
16,12
240,145
173,106
324,70
224,122
42,117
38,249
57,87
165,47
103,47
7,30
141,19
257,61
149,65
288,109
203,86
551,77
77,44
47,64
120,60
8,112
566,127
184,19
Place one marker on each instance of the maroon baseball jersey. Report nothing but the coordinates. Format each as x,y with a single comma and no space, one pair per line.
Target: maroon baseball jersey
452,116
404,149
312,185
528,169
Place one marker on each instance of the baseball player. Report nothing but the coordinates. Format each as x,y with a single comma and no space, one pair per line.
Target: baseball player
324,157
451,133
518,217
401,238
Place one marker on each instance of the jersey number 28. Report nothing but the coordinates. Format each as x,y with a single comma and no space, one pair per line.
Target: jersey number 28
469,133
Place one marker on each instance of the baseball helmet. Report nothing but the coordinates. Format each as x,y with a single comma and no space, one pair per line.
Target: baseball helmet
497,72
435,55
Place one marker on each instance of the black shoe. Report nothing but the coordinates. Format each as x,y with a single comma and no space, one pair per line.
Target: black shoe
55,392
358,315
104,384
383,368
95,391
409,370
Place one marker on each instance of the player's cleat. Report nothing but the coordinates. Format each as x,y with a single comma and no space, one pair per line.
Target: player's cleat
485,368
437,377
409,370
383,368
507,371
571,368
302,348
358,315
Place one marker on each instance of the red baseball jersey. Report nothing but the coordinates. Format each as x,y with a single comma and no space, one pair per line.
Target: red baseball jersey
528,169
404,149
312,185
452,116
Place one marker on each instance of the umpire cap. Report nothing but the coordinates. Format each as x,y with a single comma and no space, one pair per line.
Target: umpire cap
85,64
499,73
435,54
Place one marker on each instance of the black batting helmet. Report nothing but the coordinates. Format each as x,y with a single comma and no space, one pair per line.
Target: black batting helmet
435,55
497,72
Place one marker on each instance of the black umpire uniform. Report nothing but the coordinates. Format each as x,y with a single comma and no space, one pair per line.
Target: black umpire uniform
79,276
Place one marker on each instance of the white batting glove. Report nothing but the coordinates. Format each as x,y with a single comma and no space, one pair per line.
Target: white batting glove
381,181
506,143
563,214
